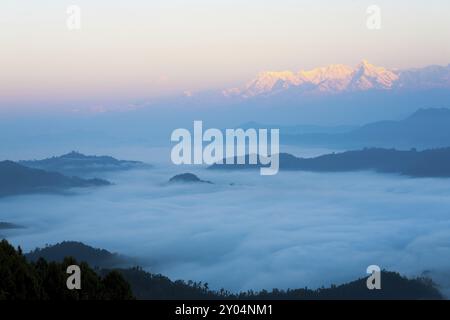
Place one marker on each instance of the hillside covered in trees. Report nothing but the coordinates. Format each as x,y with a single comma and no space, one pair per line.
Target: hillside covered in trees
42,280
94,257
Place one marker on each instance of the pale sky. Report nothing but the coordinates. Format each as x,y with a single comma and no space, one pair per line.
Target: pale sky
138,49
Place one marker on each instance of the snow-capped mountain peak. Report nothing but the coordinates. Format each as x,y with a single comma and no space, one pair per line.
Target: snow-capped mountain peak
271,80
342,78
332,72
367,76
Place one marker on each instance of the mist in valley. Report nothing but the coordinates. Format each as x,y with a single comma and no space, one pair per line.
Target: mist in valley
248,231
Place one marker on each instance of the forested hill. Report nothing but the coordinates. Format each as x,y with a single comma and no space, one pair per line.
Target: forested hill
21,279
93,256
76,163
427,163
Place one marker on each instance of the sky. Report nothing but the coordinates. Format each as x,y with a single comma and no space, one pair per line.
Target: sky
136,49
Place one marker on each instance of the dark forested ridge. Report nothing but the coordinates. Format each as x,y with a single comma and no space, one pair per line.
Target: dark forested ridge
79,164
427,163
93,256
21,279
42,280
146,285
17,179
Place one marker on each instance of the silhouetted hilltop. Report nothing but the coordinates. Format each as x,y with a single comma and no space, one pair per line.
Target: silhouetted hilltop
17,179
187,178
78,163
394,287
81,252
427,163
47,280
42,280
426,128
149,286
158,287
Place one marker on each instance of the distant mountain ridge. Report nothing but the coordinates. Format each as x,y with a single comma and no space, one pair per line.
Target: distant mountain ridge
17,179
78,163
339,78
425,128
428,163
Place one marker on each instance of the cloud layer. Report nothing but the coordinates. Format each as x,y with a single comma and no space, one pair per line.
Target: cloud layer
287,231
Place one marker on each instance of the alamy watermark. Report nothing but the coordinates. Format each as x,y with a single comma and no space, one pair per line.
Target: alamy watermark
73,21
374,280
74,280
237,146
373,21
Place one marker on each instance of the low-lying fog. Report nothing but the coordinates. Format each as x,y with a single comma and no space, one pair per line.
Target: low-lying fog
248,231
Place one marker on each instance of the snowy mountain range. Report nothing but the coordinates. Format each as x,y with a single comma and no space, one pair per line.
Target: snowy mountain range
340,78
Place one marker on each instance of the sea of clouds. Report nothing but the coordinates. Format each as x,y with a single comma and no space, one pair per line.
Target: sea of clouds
248,231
